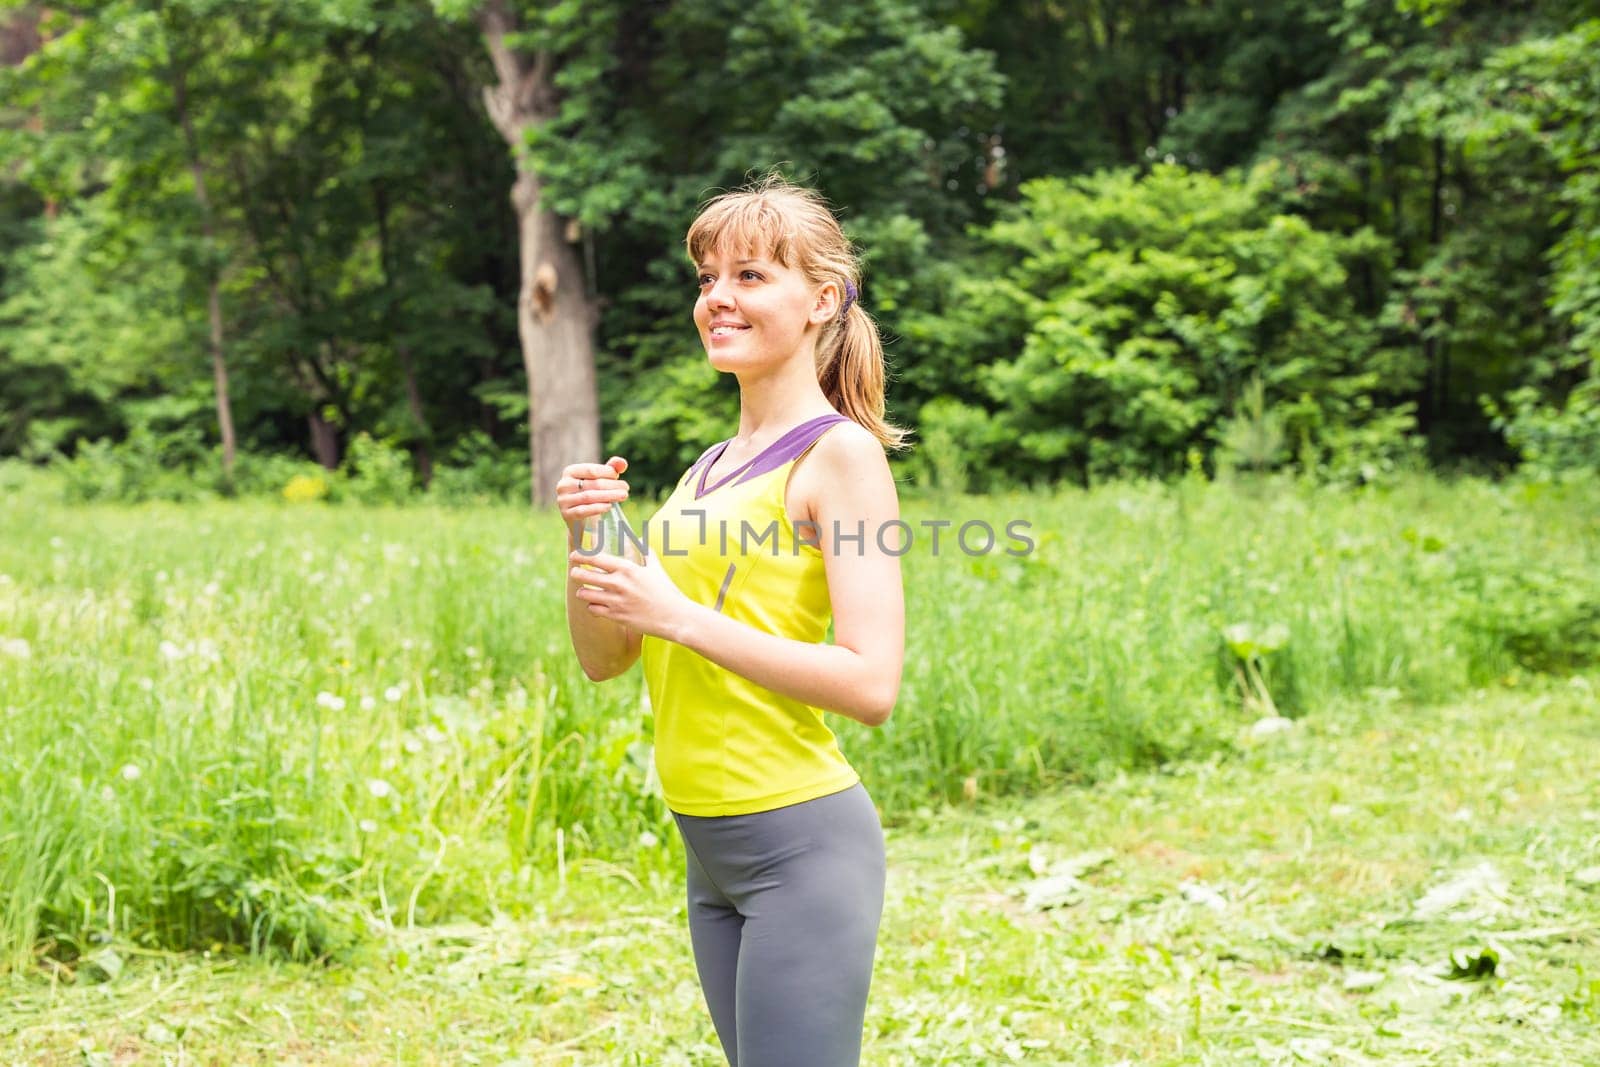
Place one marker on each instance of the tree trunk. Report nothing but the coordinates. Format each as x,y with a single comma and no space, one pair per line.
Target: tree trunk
19,36
1432,401
555,316
219,361
324,441
421,451
421,448
19,39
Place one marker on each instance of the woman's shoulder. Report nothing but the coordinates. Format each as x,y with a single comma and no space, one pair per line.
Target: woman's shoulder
849,442
847,453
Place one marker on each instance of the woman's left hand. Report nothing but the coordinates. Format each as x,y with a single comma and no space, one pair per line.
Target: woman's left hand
639,596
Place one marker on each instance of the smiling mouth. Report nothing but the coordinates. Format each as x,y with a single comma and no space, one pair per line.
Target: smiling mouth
725,331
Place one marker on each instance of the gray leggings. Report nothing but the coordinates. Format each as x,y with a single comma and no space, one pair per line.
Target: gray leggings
783,915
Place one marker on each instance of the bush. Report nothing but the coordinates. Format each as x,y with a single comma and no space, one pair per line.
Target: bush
477,472
955,438
375,472
1122,317
1553,438
269,473
17,476
147,465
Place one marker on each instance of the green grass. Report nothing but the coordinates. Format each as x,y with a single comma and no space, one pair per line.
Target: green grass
1267,907
282,729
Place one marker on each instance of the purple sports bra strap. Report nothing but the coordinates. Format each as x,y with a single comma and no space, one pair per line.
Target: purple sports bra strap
785,449
792,445
708,457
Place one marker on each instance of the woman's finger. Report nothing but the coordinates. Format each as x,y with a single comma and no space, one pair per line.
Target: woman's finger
603,561
590,489
592,471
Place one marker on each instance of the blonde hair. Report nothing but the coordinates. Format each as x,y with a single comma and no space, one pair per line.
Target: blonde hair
794,226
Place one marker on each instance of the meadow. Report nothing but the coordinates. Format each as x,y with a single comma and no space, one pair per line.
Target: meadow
307,738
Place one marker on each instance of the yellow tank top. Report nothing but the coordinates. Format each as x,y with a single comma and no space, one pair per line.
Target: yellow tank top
723,744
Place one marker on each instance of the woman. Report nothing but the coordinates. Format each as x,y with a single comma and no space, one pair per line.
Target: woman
765,536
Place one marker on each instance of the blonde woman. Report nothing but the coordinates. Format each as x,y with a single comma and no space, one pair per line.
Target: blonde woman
766,537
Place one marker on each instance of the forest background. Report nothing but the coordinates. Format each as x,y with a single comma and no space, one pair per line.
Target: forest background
245,242
1279,322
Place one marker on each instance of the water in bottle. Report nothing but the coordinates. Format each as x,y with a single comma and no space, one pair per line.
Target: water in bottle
611,533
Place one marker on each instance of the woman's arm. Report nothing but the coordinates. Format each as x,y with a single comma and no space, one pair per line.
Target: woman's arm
605,649
846,484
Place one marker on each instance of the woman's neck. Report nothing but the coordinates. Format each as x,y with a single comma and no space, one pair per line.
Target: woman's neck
776,402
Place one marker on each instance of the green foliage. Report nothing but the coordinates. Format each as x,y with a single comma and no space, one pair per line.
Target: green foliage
1409,255
1122,312
952,436
1550,85
90,321
348,180
1553,436
147,465
375,472
267,474
477,472
1545,618
1253,439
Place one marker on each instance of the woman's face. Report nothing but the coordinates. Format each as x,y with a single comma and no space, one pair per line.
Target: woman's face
753,311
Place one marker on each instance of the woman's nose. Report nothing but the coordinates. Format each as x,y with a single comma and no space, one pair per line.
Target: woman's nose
719,294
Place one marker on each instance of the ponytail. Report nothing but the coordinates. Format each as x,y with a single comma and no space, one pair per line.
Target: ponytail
850,370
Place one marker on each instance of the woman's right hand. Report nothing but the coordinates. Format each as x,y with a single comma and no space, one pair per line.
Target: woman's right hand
589,489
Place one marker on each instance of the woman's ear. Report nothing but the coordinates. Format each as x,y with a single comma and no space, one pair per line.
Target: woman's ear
826,306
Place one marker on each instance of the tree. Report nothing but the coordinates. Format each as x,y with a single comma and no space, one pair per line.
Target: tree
555,313
141,62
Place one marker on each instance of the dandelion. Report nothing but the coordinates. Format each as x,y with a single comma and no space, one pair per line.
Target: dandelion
171,652
367,703
472,653
433,734
146,684
15,647
412,745
329,702
211,589
648,840
131,772
368,826
379,788
392,694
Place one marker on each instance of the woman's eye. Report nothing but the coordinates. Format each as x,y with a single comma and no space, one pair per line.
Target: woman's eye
704,280
750,275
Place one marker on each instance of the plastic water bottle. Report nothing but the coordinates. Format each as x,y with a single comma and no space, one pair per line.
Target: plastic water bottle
610,533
